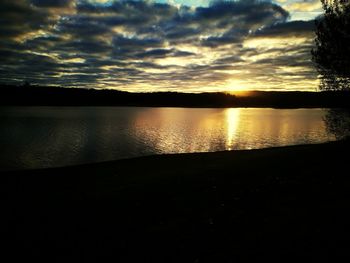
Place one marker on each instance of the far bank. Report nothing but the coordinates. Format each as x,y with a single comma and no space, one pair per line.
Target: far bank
28,95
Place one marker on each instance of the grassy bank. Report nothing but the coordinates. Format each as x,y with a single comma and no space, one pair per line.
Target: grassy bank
282,204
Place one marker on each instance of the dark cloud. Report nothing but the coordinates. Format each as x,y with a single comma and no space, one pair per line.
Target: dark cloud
86,47
18,18
134,42
223,22
81,26
222,40
154,53
162,53
52,3
128,48
253,10
128,13
181,32
289,59
288,29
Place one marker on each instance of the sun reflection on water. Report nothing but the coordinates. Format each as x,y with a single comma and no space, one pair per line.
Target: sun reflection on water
232,120
37,137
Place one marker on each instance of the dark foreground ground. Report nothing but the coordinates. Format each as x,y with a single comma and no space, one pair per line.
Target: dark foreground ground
281,204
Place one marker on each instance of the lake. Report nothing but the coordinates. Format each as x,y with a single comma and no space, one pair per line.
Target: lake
38,137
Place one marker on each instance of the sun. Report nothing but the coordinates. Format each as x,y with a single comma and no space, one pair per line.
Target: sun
238,88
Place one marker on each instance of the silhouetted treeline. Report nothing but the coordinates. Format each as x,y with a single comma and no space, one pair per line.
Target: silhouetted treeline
57,96
331,52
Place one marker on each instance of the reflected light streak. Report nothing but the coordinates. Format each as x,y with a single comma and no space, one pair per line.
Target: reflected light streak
232,119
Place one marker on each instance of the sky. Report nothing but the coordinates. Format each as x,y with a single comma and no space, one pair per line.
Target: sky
164,45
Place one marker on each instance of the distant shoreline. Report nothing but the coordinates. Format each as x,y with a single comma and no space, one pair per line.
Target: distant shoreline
58,96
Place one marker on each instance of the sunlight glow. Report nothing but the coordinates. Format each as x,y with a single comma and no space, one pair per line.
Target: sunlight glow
173,61
234,85
73,60
265,43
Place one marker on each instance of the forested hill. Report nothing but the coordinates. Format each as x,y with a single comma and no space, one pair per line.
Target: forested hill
58,96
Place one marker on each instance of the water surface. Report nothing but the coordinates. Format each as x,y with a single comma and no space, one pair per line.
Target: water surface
37,137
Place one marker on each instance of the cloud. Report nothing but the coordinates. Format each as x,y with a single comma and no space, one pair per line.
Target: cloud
162,53
303,9
19,18
225,39
134,42
288,29
305,6
144,45
81,26
52,3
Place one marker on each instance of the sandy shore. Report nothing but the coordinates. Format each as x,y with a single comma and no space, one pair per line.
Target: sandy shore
278,204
